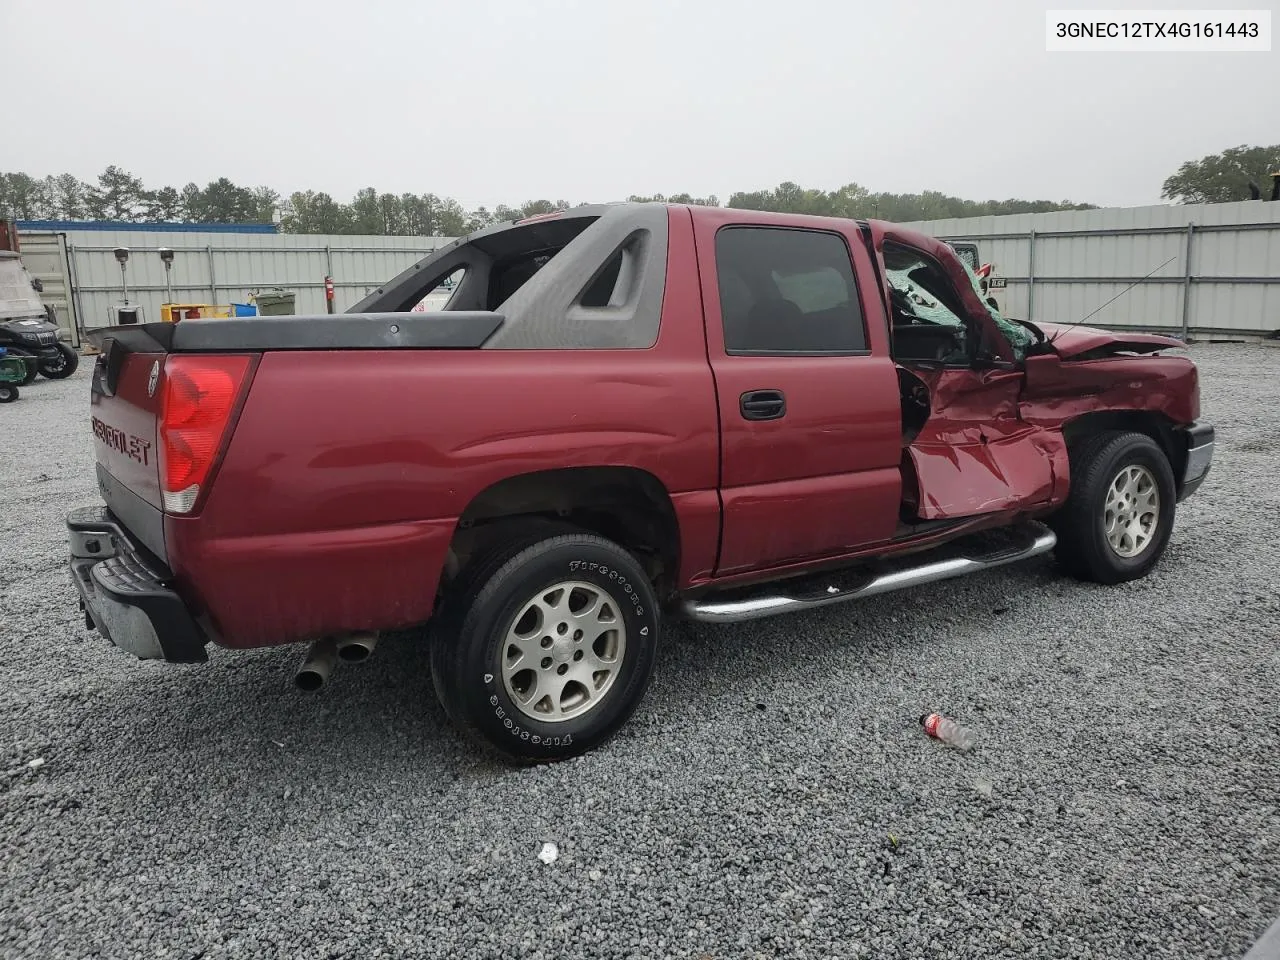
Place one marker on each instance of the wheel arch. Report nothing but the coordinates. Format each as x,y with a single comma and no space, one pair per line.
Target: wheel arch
627,505
1159,427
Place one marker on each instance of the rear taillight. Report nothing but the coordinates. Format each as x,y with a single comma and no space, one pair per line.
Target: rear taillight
198,399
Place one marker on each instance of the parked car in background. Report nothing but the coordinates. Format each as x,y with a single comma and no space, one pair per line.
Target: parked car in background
28,328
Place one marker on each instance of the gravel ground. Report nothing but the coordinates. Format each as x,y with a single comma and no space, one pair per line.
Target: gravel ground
775,796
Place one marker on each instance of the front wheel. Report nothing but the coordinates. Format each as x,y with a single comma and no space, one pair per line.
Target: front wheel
550,647
8,393
1119,514
62,367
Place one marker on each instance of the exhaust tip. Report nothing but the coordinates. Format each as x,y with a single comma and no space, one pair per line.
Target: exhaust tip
356,647
316,667
309,680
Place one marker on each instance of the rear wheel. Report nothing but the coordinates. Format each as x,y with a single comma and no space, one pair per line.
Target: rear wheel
1118,517
548,647
8,393
64,366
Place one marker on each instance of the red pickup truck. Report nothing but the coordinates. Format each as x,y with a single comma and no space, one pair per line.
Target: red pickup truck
621,412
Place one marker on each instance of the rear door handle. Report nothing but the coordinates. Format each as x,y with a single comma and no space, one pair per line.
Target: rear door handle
763,405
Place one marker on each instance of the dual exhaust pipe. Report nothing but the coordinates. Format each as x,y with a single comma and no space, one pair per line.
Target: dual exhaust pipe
324,655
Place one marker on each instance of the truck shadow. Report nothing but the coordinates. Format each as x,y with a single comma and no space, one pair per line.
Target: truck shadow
377,724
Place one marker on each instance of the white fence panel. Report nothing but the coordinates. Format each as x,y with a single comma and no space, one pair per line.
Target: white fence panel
1209,270
223,268
1060,267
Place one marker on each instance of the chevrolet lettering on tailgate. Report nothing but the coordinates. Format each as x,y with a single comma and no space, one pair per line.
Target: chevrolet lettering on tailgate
133,447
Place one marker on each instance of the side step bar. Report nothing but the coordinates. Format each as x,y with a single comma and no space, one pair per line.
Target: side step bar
803,595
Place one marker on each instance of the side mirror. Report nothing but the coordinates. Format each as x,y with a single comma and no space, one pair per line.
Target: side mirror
38,284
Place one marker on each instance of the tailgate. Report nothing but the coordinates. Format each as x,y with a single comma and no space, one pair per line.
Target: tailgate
159,419
165,396
124,409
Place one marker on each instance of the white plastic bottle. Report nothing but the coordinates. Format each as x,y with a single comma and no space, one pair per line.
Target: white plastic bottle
948,731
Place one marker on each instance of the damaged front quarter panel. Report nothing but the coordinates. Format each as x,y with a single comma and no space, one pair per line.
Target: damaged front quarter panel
1057,392
975,455
1092,343
995,440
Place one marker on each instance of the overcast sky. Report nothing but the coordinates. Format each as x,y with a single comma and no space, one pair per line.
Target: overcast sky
502,101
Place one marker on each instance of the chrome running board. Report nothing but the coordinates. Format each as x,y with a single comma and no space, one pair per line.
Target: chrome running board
767,600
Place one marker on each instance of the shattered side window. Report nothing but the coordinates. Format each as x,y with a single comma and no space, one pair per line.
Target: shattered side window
923,294
923,304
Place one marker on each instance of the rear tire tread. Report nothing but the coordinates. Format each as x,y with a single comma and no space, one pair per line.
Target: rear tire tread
463,594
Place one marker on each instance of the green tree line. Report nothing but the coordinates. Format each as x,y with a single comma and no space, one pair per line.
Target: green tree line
1224,177
121,196
117,194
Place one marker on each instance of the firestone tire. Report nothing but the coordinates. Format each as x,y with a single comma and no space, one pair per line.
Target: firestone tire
548,648
1119,514
65,367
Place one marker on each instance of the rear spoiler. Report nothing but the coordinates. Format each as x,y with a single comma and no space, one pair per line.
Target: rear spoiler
442,330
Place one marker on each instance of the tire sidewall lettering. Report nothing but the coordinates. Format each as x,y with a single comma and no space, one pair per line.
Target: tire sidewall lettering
581,566
534,737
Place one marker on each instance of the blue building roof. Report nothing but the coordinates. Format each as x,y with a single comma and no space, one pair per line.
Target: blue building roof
62,225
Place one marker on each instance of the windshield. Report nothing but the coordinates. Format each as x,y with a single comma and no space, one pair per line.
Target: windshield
17,296
1018,336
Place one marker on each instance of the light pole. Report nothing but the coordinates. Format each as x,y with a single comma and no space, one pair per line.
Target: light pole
167,256
122,257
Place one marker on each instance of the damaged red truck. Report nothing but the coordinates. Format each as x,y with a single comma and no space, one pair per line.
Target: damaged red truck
622,412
